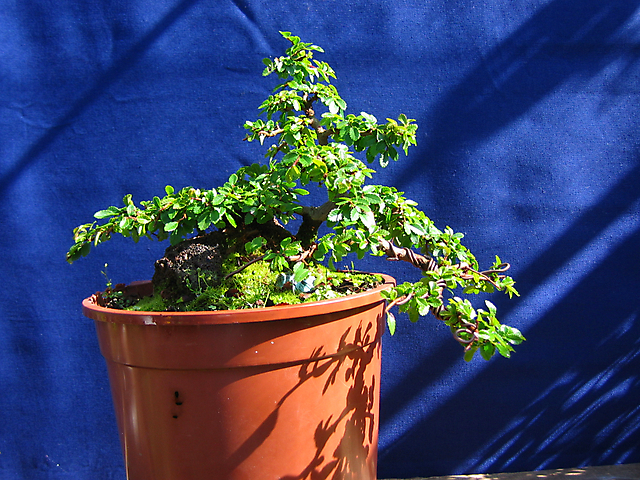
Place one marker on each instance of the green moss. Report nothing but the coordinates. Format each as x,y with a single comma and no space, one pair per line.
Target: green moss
154,303
255,287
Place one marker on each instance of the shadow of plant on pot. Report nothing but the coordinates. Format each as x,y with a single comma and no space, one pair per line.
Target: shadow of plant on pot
346,445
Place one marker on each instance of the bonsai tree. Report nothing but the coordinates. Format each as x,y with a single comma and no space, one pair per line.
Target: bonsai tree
312,142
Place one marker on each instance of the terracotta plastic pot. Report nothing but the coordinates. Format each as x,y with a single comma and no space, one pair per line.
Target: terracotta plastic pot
287,392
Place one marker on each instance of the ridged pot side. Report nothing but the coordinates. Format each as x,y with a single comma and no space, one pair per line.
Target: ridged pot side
287,392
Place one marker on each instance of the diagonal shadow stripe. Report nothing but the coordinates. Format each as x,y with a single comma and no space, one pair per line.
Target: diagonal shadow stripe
108,78
521,71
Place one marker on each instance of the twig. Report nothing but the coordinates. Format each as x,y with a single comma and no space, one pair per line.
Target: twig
254,260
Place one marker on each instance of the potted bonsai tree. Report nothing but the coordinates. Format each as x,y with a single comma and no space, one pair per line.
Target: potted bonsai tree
248,339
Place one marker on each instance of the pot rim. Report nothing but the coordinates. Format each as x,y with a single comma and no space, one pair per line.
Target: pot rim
263,314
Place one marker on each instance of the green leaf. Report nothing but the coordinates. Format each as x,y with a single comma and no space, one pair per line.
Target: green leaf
84,250
109,212
353,134
169,189
414,316
487,351
391,323
504,350
279,264
492,308
368,219
293,174
231,220
423,306
370,119
254,245
125,224
204,221
512,334
468,355
300,272
171,226
175,238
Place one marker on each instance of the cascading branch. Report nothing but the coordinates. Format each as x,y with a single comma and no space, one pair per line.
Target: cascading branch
312,141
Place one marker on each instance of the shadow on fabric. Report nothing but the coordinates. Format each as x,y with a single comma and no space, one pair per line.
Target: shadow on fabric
108,78
516,75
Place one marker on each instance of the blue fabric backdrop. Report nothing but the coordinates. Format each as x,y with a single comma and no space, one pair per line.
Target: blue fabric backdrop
528,142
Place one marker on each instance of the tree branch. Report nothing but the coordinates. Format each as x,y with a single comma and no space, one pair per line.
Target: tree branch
321,132
318,214
312,218
395,253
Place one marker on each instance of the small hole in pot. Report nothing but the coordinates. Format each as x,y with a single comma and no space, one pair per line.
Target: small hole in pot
175,416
